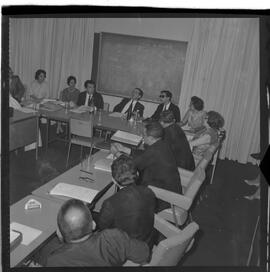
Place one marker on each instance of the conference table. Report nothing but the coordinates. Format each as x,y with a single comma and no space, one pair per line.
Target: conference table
43,219
23,130
73,176
103,120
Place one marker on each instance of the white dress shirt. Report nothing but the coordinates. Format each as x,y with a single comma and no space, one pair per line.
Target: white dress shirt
87,99
166,107
127,106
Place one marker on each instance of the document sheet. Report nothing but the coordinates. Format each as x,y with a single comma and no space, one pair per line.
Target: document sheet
28,234
74,191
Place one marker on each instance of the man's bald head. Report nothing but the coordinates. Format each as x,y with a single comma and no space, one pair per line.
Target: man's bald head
74,220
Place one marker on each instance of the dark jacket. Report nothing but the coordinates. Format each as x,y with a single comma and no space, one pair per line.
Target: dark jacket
132,210
176,138
110,247
138,106
175,110
97,98
157,167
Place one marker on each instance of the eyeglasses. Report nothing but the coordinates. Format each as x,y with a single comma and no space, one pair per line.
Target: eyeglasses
162,96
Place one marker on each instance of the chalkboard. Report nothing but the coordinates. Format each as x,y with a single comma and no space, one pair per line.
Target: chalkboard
126,62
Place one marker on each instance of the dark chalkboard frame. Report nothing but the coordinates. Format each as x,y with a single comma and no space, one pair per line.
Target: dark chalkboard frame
98,43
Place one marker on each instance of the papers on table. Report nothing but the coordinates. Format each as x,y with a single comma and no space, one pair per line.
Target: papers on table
74,191
82,109
110,156
125,137
27,110
28,234
103,165
50,106
116,114
14,235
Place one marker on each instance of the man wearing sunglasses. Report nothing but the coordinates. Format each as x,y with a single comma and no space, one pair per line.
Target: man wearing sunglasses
166,104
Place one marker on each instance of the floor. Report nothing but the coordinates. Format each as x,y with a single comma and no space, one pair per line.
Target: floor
226,219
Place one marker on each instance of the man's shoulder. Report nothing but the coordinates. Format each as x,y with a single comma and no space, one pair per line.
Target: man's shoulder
174,106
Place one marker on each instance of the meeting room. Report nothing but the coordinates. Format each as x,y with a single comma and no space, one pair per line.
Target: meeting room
134,141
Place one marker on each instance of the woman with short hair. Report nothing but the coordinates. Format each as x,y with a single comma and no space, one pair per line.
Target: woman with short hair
194,117
213,122
39,88
70,94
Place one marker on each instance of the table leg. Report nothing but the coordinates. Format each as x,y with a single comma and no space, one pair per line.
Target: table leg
47,133
37,137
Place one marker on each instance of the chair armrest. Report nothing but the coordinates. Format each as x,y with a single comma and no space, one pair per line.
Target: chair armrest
171,197
185,176
164,227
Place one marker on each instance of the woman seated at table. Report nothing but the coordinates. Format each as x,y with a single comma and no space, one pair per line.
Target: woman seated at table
194,117
39,88
213,122
70,94
16,88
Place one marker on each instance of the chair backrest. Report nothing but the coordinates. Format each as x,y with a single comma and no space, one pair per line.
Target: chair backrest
106,107
173,198
195,183
81,127
170,251
185,176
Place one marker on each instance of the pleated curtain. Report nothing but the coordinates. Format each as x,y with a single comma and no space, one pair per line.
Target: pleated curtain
60,46
222,67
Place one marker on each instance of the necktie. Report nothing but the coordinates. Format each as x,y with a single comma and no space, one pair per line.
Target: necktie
90,101
164,108
129,110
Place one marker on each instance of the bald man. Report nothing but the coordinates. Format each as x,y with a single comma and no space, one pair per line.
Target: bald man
79,246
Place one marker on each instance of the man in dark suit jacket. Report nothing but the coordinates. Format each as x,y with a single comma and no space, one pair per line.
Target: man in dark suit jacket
90,97
79,246
166,104
156,164
132,208
131,105
176,138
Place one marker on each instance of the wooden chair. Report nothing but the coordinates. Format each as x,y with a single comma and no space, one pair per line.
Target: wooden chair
180,204
81,133
170,250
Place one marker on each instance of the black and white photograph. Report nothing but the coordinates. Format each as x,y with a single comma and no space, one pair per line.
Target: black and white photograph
134,137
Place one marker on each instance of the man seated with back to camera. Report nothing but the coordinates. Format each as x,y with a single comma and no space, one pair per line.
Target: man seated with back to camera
129,106
132,208
166,104
156,164
79,246
176,138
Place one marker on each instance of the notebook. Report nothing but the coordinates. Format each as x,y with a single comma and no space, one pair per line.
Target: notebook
127,138
28,234
74,191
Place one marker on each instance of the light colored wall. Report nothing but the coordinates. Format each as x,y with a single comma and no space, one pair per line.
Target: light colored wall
179,29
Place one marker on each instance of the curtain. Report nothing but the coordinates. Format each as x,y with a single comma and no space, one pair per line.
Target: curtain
60,46
222,67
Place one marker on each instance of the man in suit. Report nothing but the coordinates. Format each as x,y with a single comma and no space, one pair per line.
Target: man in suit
90,97
132,208
131,105
156,164
166,104
176,138
79,246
